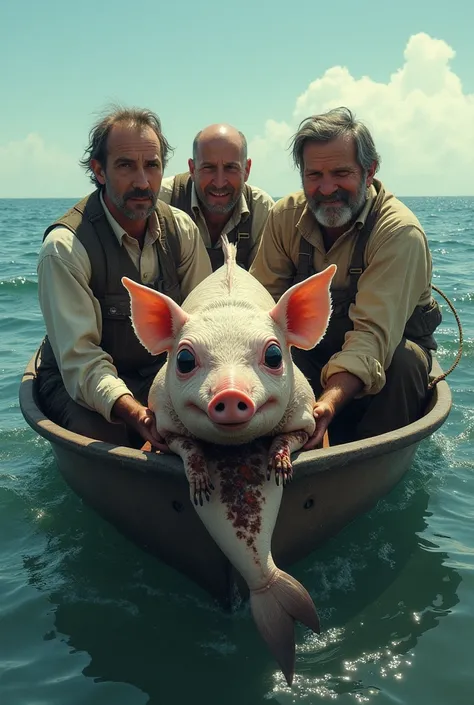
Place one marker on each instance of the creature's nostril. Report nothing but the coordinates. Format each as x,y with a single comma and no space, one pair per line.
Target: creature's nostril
220,406
242,406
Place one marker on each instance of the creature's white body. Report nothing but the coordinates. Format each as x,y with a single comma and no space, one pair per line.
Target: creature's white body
221,385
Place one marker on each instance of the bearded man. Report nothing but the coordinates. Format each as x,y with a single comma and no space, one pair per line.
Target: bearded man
370,373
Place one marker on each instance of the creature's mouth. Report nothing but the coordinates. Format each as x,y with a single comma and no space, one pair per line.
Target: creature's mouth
231,426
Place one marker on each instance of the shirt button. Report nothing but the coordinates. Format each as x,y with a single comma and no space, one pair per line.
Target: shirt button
145,276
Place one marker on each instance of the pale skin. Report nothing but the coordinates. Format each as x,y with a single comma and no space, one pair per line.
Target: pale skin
330,166
219,174
133,164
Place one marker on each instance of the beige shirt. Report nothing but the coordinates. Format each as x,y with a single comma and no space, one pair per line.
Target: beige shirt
72,313
262,203
396,279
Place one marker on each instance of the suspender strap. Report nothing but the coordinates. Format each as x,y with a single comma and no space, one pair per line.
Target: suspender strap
357,264
305,261
241,234
181,194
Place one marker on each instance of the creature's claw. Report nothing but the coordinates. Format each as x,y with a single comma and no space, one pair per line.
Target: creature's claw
279,462
200,486
194,466
279,459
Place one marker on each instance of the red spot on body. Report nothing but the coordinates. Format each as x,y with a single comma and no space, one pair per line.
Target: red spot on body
246,472
242,476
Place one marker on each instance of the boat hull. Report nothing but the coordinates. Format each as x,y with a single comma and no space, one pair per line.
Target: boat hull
146,495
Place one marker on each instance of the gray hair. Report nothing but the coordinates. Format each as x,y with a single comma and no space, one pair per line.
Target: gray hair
243,148
134,117
329,126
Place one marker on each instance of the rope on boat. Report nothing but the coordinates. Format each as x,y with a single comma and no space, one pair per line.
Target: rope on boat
461,339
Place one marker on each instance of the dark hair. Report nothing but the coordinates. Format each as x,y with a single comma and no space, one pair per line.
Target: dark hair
329,126
243,147
134,117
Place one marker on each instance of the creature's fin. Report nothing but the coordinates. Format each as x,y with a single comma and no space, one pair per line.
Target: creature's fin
275,609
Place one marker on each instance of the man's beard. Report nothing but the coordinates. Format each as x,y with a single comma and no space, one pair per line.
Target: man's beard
337,216
216,208
140,213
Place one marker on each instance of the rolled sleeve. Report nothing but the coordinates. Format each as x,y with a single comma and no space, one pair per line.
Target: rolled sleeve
366,368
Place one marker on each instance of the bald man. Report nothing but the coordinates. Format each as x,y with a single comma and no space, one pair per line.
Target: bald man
215,194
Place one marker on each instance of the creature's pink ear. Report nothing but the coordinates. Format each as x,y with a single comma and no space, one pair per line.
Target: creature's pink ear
156,318
303,311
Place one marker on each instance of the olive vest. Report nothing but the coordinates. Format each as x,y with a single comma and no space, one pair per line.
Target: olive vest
109,263
240,235
421,324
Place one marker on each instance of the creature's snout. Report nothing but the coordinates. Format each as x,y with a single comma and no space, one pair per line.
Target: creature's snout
231,406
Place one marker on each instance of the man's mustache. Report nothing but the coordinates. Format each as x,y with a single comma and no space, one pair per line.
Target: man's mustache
138,193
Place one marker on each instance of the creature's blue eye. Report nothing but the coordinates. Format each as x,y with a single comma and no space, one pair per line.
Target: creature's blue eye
185,361
273,356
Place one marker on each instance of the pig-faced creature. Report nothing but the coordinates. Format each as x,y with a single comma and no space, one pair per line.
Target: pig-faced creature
229,376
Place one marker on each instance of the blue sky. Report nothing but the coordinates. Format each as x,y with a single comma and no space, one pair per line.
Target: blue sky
405,68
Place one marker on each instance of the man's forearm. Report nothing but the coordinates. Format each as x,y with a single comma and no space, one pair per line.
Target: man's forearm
126,409
340,389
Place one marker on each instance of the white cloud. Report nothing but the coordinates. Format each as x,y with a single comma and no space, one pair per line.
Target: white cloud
421,120
38,170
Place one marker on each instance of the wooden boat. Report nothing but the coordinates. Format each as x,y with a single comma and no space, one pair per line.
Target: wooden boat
146,496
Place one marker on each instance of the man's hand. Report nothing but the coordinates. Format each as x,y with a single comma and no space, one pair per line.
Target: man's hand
341,388
141,419
324,414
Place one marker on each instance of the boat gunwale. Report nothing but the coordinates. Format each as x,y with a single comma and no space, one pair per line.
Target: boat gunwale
305,462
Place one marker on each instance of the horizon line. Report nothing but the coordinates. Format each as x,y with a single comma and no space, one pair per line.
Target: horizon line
276,198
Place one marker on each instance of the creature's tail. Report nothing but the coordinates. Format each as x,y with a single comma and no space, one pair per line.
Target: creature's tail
275,609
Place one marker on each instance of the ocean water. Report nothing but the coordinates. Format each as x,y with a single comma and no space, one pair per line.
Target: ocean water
87,618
